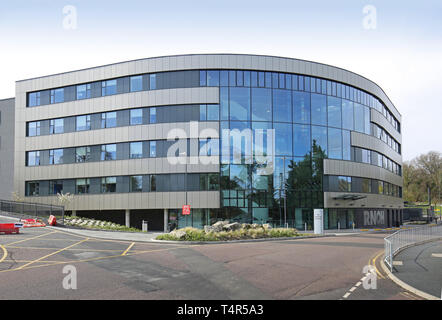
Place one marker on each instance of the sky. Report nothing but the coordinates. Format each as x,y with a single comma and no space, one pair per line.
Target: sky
398,46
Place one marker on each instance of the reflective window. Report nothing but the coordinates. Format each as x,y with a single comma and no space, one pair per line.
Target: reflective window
83,91
347,115
334,112
136,83
109,119
239,103
83,123
366,120
346,145
224,78
301,136
82,186
212,112
301,107
261,104
34,99
33,188
152,115
82,154
153,149
203,112
359,117
136,150
56,156
283,138
136,116
56,186
153,81
108,152
344,184
136,183
108,184
282,105
108,87
33,158
319,109
203,78
34,128
56,126
334,143
319,141
57,95
212,78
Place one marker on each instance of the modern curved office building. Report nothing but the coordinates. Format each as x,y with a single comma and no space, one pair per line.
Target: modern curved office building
264,139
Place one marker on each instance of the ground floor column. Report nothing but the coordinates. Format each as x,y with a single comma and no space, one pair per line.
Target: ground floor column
166,219
128,218
74,213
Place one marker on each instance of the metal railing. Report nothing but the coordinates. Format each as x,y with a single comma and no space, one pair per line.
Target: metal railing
19,209
408,237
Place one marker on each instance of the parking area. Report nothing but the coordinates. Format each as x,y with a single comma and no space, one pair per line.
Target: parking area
32,267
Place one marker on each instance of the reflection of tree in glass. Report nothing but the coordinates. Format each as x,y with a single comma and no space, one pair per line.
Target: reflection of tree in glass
305,177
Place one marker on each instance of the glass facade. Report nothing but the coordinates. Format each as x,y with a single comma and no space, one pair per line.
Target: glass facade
311,119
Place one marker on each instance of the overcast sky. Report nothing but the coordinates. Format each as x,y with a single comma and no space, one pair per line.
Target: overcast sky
402,54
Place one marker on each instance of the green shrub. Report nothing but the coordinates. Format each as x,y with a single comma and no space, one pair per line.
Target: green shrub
193,234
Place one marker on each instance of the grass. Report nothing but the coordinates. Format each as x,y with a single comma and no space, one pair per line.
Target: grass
193,234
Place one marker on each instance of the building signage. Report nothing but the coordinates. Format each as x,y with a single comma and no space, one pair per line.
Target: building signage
318,215
374,217
186,210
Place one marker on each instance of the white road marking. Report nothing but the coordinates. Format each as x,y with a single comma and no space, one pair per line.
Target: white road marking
346,295
398,263
436,255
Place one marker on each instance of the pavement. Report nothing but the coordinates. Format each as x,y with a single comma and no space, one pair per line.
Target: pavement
33,266
421,268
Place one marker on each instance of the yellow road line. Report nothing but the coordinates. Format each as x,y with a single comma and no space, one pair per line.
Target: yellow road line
93,259
32,238
71,249
374,264
51,254
128,248
5,253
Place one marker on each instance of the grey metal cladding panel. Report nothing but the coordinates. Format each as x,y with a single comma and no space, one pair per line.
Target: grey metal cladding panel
95,185
44,188
44,127
122,184
69,155
123,118
145,115
96,89
95,153
146,183
223,61
123,151
45,97
69,186
348,168
70,93
44,157
69,124
379,119
96,121
373,143
123,85
146,145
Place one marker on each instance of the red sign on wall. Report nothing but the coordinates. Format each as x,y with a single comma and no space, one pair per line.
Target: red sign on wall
186,210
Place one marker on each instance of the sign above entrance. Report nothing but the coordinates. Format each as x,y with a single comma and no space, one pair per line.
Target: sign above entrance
186,210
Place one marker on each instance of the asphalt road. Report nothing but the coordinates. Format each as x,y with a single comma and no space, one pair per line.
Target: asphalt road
421,267
31,267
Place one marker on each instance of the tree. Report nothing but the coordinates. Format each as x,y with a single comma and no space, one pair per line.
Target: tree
421,173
